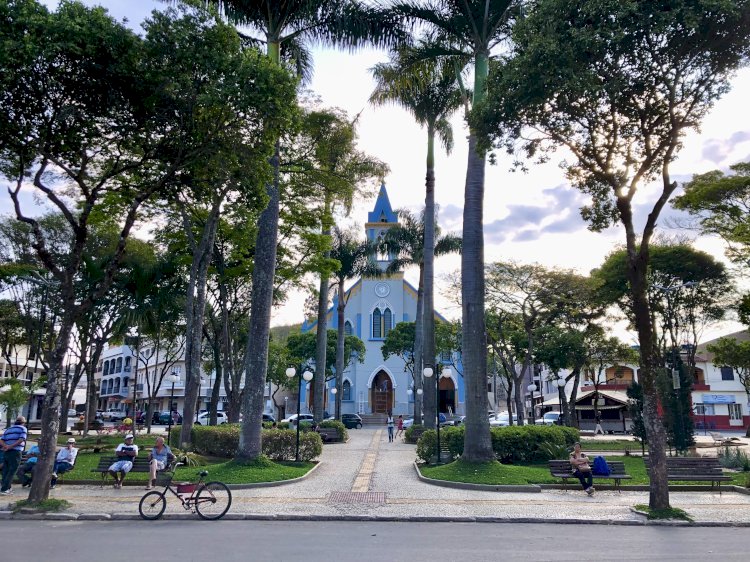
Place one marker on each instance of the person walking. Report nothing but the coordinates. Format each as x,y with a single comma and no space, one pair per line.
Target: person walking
399,426
13,444
598,430
389,423
582,469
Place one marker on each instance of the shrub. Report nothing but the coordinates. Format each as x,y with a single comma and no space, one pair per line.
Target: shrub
514,444
737,459
343,435
277,444
412,433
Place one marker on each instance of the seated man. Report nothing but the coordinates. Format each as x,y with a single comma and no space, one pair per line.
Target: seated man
65,460
158,459
26,470
125,454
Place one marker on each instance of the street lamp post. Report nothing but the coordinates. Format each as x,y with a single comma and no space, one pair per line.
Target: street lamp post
561,388
531,388
334,391
307,375
409,392
428,372
171,378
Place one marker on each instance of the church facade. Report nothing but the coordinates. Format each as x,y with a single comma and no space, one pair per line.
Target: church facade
373,308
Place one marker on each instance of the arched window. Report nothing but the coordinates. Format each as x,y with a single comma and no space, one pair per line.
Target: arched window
347,393
117,385
387,321
119,365
377,323
348,330
106,368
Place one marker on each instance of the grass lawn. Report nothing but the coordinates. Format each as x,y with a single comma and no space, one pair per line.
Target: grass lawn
497,474
226,471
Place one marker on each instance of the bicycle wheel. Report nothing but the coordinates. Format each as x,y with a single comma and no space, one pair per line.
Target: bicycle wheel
152,505
213,500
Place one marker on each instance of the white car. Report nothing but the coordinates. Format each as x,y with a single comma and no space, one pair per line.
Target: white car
113,415
549,418
502,420
408,423
303,418
204,418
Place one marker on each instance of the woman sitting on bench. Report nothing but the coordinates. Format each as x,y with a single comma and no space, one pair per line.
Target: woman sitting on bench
582,469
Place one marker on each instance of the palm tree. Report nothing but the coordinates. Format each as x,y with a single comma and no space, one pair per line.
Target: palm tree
354,260
430,91
286,27
406,242
460,28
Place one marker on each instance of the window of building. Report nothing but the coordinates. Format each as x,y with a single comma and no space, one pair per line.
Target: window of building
117,385
377,323
387,321
348,330
704,409
347,393
735,412
127,363
118,369
727,374
445,356
106,368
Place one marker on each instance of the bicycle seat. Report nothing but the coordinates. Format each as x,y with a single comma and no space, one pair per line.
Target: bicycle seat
203,473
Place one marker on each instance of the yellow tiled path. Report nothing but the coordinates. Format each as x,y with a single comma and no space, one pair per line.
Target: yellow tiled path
366,469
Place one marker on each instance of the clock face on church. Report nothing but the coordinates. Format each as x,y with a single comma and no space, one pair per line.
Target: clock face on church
382,290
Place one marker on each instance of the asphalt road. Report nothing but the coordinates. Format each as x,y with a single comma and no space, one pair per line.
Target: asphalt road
361,541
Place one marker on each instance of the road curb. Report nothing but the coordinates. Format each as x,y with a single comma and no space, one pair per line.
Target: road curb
528,488
376,518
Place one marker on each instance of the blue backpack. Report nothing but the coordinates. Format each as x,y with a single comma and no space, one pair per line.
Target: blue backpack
600,468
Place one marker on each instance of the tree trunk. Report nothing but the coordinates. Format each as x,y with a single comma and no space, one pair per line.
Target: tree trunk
196,306
424,404
509,401
657,438
256,356
149,414
213,406
573,419
341,335
518,397
51,410
321,343
428,261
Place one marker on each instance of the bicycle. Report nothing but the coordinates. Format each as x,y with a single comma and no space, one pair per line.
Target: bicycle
210,500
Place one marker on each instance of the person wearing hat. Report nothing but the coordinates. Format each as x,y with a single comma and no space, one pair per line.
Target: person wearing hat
65,460
125,454
12,444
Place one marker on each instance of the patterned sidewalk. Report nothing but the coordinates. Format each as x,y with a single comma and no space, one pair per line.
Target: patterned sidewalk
370,477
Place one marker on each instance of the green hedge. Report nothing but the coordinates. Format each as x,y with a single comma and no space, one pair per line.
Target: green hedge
513,444
343,435
277,444
409,433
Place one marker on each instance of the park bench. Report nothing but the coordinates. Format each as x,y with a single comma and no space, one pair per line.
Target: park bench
329,434
140,464
693,469
563,469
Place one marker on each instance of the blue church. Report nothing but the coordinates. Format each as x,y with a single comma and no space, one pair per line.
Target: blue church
374,307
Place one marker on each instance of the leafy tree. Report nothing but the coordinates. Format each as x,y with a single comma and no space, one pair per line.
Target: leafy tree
301,348
469,30
287,28
430,91
635,406
400,343
618,84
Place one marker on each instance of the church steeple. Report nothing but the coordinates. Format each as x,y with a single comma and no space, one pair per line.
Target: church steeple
379,220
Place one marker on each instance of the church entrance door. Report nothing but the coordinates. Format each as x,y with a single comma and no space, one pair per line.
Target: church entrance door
447,396
382,393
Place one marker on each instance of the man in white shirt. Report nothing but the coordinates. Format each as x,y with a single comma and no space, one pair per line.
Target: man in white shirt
65,460
125,453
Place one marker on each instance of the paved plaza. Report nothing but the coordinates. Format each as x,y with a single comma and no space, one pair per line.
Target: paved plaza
370,477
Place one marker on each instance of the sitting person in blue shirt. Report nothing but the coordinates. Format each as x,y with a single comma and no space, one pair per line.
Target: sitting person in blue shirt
26,470
158,459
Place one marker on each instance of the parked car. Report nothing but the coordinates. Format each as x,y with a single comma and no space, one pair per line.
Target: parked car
164,418
455,421
204,418
113,414
303,418
351,421
443,421
549,418
269,418
502,420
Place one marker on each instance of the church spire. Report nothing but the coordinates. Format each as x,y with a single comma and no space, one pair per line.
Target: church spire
379,220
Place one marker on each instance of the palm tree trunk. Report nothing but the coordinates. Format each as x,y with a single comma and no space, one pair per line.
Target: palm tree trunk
321,335
256,354
477,443
428,260
423,404
341,335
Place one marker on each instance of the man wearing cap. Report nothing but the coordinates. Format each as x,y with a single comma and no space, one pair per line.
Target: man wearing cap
125,453
26,470
12,444
65,460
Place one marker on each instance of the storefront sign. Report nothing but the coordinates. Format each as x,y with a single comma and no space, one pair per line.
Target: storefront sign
718,399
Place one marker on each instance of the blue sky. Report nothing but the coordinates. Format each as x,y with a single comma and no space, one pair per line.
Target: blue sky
529,216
